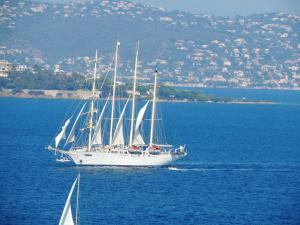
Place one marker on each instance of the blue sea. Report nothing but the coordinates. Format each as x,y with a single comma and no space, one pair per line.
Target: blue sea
243,167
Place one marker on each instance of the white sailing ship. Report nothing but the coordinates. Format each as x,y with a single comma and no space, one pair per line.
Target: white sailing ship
95,145
67,217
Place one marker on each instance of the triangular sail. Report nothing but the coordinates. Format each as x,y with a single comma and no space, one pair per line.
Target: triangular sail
66,217
62,133
71,137
118,135
138,139
97,137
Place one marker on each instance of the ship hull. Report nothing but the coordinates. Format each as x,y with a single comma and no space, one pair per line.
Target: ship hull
121,159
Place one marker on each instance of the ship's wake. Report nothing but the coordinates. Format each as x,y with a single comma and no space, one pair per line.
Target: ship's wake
235,167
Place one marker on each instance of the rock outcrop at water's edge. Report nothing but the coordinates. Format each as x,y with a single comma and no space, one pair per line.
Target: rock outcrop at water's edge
84,94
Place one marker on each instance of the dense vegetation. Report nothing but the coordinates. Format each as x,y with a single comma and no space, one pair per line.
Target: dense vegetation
45,79
42,79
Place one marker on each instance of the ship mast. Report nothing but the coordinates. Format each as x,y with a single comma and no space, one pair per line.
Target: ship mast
92,105
77,201
153,109
113,97
134,96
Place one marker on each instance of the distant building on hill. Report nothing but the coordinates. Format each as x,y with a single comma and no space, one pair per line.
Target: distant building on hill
21,68
57,69
5,68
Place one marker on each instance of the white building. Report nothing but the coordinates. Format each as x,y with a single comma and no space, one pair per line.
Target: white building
21,68
5,68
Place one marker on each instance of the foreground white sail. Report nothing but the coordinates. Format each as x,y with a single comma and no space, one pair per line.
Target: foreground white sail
110,147
66,217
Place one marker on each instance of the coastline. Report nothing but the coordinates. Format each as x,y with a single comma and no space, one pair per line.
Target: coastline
84,94
225,87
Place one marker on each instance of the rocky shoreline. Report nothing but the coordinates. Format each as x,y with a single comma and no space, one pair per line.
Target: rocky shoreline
47,94
84,94
225,87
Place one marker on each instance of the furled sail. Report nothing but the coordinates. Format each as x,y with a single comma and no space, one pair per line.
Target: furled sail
66,217
118,135
62,133
138,139
71,137
97,137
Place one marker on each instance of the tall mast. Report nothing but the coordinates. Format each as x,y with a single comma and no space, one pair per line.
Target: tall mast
133,96
92,104
77,201
113,97
153,109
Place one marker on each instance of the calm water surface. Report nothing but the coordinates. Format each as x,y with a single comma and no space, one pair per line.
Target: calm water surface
243,167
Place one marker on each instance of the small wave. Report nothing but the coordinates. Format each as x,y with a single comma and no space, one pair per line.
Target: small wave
175,168
185,169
